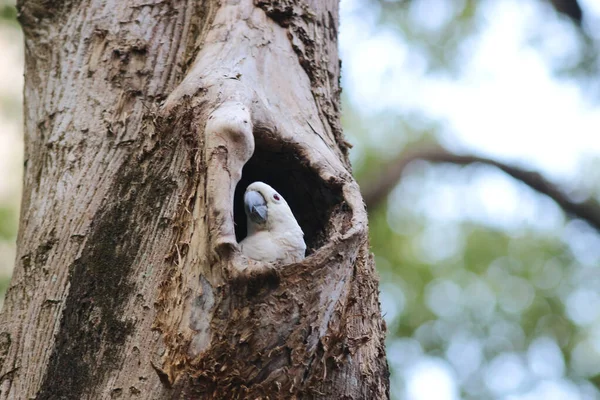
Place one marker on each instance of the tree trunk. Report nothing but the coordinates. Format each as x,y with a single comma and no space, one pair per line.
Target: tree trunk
144,123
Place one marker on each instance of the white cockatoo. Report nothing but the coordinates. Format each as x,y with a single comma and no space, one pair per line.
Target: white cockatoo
273,233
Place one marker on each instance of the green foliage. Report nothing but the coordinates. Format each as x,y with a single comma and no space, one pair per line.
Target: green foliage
441,31
8,223
8,12
438,40
10,108
477,297
503,289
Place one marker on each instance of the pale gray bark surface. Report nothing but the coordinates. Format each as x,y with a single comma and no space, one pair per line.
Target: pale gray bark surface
129,284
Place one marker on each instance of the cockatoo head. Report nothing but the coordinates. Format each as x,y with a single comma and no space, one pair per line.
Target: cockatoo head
267,210
273,233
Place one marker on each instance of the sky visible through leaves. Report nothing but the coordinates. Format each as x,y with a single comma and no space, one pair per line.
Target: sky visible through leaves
489,290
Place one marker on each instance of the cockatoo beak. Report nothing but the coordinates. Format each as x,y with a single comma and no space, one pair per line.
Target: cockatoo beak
256,207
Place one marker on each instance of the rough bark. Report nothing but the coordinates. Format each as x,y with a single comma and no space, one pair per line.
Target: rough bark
144,122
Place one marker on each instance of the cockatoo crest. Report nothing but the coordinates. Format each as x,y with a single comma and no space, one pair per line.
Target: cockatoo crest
273,233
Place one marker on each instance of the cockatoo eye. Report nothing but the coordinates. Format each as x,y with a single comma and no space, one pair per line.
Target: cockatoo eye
276,197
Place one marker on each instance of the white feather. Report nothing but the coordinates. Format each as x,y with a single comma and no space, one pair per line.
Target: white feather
280,238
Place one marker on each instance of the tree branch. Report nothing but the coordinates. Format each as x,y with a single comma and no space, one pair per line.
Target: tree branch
570,8
378,190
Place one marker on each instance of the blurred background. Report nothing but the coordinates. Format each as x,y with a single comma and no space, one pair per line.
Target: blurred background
460,112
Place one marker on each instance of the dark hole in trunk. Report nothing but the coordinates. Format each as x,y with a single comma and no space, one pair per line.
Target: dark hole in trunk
311,199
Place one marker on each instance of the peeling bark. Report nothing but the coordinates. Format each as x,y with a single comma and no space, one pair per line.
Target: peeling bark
144,124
